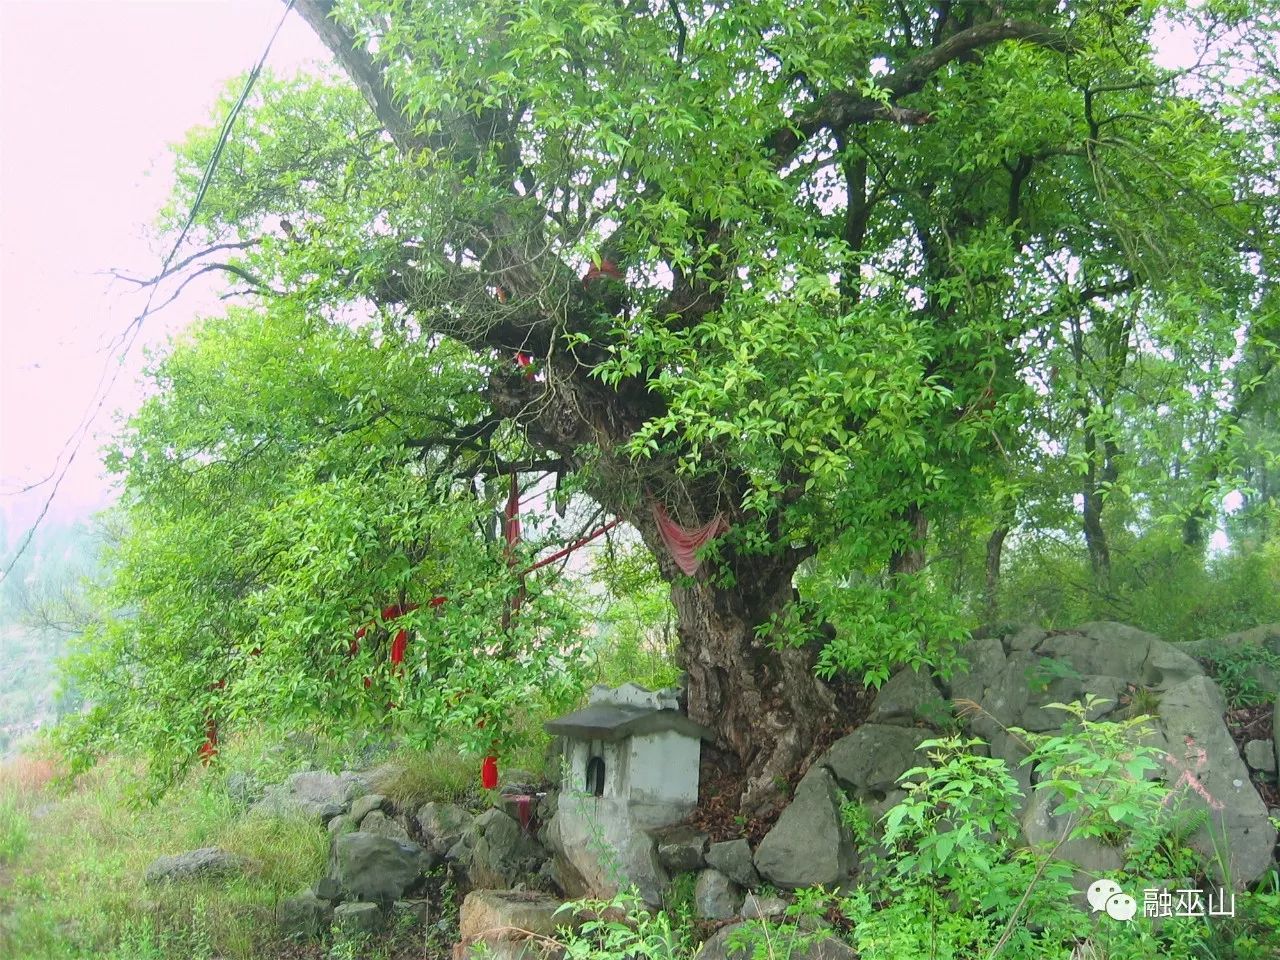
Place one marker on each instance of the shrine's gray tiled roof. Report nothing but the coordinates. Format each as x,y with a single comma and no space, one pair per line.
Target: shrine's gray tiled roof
606,721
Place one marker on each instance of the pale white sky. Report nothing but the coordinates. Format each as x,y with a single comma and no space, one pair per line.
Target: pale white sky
92,92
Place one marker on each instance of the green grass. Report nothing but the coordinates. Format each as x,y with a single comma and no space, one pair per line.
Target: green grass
71,878
15,828
75,888
447,773
441,774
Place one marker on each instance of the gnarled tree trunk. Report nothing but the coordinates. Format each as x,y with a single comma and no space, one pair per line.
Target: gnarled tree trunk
766,704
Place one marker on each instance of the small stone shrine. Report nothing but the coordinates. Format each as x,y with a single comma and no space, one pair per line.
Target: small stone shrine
630,764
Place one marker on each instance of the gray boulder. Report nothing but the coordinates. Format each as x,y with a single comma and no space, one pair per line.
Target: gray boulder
1103,648
1275,729
1204,768
356,919
1167,666
443,825
808,844
320,786
314,795
503,852
1038,717
682,849
868,763
983,657
373,868
243,788
596,854
756,908
304,915
410,913
733,859
361,807
207,863
715,896
1013,751
1043,827
1024,638
341,824
908,697
1261,755
379,823
327,888
996,683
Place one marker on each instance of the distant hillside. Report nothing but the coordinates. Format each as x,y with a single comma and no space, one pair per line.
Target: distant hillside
28,682
42,606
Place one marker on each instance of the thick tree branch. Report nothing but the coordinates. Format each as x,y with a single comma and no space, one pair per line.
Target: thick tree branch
360,67
840,110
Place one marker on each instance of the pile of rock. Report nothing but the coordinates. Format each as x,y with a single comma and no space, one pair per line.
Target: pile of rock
381,860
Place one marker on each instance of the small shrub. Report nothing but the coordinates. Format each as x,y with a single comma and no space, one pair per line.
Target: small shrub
1241,672
625,927
441,774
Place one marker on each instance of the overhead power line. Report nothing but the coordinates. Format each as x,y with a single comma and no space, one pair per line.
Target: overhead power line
128,337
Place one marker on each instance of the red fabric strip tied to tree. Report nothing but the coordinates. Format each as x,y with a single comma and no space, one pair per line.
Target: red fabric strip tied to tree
489,772
682,543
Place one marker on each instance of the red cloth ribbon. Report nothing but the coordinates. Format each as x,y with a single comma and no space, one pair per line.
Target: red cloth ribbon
400,643
606,268
511,533
489,772
209,749
683,544
524,810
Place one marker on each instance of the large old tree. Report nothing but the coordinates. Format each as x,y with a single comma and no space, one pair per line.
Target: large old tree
795,264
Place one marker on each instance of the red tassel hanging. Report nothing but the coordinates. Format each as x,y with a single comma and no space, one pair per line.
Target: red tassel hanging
489,772
605,268
511,517
209,749
525,363
398,646
511,534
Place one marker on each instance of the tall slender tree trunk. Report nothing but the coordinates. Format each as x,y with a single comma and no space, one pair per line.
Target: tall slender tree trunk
910,558
1095,538
1102,472
995,550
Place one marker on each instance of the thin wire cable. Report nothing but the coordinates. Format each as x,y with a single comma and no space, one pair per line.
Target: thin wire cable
129,336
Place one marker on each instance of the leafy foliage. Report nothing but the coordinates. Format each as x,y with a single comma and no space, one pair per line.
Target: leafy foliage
883,278
266,529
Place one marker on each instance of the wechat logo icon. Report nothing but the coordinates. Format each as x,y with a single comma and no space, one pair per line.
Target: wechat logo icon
1107,895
